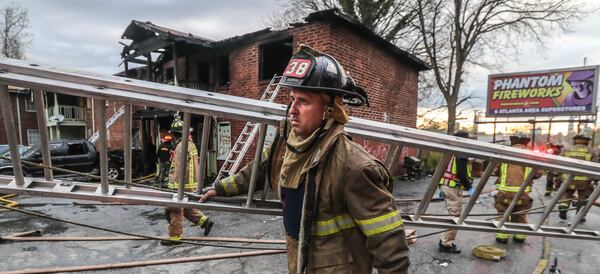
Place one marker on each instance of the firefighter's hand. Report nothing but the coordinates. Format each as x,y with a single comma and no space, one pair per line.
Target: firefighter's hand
208,192
411,236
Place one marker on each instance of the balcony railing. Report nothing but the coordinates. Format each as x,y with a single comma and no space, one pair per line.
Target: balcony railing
71,113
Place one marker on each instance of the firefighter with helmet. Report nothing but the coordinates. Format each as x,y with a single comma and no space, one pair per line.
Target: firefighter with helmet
552,177
510,179
580,184
163,156
175,216
338,211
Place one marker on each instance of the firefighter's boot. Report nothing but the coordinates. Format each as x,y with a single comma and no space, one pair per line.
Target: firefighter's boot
173,240
207,224
562,210
502,238
519,238
448,249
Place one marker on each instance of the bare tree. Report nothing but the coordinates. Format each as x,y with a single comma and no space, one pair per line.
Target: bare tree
13,35
389,19
456,34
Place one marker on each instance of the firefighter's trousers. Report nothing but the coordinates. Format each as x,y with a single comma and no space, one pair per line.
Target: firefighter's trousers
503,200
176,223
454,202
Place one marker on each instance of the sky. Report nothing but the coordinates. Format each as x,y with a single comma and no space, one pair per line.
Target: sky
85,35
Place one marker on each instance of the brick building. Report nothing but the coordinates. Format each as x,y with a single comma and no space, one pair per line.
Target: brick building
243,66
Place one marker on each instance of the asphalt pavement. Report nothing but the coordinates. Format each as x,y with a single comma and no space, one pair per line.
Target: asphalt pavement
574,256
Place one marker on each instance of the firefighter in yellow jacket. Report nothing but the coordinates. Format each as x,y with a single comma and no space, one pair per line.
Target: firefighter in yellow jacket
510,179
580,184
456,178
339,214
175,216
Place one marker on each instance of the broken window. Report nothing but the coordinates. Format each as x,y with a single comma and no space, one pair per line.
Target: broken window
274,57
223,70
170,76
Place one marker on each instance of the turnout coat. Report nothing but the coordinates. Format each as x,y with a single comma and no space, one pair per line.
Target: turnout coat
350,222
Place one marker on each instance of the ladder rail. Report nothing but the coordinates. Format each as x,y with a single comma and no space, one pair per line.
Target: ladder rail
20,73
109,123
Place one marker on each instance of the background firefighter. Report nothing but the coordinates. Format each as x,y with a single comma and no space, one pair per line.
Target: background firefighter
339,214
456,178
510,179
163,155
552,177
581,184
175,215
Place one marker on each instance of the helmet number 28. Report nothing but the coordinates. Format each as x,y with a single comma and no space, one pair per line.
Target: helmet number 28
297,68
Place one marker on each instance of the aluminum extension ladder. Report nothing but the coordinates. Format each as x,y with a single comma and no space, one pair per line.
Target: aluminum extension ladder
129,91
244,140
109,123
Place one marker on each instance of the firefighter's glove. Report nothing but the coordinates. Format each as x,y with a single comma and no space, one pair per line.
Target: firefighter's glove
471,191
208,192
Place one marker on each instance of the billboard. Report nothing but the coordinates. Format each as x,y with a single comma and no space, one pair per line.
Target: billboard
557,92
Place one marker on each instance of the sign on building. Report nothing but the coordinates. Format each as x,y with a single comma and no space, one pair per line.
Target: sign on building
559,92
223,140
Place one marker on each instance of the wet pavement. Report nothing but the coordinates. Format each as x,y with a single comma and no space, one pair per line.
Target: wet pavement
574,256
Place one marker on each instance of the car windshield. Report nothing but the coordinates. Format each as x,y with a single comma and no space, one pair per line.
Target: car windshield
32,150
3,149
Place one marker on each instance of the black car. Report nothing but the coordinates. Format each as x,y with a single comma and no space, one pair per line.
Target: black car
76,155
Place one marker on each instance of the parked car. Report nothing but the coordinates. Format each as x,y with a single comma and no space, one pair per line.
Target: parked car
77,155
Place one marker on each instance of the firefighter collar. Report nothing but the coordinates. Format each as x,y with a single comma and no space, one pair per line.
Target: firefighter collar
295,165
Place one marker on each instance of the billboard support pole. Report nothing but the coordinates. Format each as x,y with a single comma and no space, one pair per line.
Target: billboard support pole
494,137
533,135
549,130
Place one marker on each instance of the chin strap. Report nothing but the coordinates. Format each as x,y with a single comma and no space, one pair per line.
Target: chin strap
326,115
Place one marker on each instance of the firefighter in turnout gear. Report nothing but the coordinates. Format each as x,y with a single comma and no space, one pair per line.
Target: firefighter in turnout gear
580,184
456,178
175,216
552,177
163,155
510,179
339,214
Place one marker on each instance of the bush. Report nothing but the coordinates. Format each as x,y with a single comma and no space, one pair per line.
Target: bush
430,160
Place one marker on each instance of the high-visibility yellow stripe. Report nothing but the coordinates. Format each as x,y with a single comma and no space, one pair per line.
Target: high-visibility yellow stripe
502,235
333,225
175,238
229,185
381,224
378,219
520,236
384,228
233,184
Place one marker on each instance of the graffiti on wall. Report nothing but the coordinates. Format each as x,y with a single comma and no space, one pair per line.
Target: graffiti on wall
223,140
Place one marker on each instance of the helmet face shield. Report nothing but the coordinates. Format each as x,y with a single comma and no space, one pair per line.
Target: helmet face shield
312,70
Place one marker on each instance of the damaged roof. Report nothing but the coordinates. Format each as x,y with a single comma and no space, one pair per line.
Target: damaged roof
148,37
138,30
